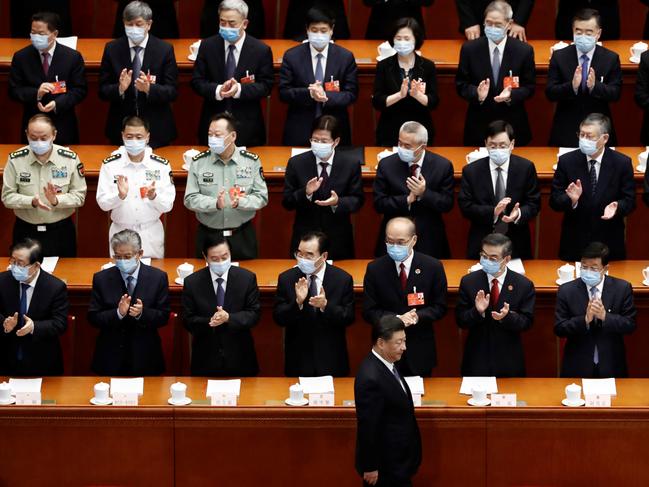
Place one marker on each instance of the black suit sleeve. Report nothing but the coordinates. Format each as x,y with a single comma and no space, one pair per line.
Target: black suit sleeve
559,200
436,306
249,316
622,323
372,310
626,201
564,323
384,202
440,198
76,86
108,79
369,411
348,85
466,11
165,89
523,11
431,86
201,83
527,81
466,314
58,321
19,88
380,94
101,314
156,314
521,319
463,83
466,200
193,321
611,88
286,312
289,89
354,199
294,193
263,78
530,208
342,313
557,88
642,83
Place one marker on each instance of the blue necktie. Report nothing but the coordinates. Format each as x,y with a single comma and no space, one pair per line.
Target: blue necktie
220,292
495,66
137,65
593,295
593,178
130,286
584,72
230,63
396,374
22,311
319,76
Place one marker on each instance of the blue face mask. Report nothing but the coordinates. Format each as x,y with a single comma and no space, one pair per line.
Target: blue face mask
584,43
587,147
126,266
398,253
20,273
40,147
590,278
404,48
494,34
318,40
489,266
135,34
321,150
40,41
134,146
230,34
306,266
220,268
217,145
499,156
406,155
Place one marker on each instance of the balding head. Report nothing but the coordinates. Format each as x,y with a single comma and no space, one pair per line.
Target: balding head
401,225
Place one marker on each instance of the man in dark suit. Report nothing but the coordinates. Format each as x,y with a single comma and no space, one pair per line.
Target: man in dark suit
642,96
256,18
388,443
417,184
609,10
234,72
315,304
594,313
385,12
220,307
471,12
412,286
509,203
33,313
317,78
594,188
129,302
582,79
296,18
138,76
48,77
495,75
324,187
495,305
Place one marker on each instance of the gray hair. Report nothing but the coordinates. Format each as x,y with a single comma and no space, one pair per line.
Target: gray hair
126,237
238,5
500,6
135,10
598,119
416,128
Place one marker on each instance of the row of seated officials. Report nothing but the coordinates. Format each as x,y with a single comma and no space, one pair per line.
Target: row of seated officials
314,303
233,72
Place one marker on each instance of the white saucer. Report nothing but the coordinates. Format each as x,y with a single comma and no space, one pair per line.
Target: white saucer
571,404
472,402
303,402
192,58
11,400
185,167
184,402
645,282
97,402
179,280
635,60
640,169
560,282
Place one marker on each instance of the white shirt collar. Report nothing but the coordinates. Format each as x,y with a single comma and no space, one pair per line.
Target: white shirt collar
142,44
50,51
330,161
419,162
32,284
320,274
223,276
599,287
500,279
127,160
598,158
590,55
389,365
315,52
501,46
407,263
493,167
237,45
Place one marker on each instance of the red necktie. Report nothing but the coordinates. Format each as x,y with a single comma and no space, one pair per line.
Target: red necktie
413,170
495,293
403,277
46,62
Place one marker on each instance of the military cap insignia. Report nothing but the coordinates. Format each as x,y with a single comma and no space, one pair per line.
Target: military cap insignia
80,169
67,153
19,153
159,159
249,155
112,158
200,155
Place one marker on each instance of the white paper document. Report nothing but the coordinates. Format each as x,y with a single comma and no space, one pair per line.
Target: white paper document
146,260
25,385
416,384
599,386
296,151
317,385
487,383
232,386
127,386
49,264
70,42
516,265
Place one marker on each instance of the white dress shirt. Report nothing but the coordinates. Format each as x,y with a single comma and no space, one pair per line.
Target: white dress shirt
142,44
501,50
323,61
407,263
30,289
224,284
237,54
389,365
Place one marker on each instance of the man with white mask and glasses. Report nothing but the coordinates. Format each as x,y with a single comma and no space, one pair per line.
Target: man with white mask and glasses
44,184
417,184
411,286
225,187
137,187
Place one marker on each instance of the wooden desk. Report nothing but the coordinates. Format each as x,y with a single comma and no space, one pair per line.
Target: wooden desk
541,443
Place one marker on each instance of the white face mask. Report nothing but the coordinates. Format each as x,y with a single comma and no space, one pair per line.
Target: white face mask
135,34
134,146
217,144
319,40
40,147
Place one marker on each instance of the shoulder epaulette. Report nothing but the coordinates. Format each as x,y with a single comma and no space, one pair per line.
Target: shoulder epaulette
200,155
112,158
159,159
67,153
19,153
249,155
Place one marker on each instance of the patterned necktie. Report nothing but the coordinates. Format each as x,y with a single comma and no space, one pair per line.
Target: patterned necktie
22,311
220,292
593,177
137,64
403,277
130,285
584,72
319,76
495,65
46,63
495,293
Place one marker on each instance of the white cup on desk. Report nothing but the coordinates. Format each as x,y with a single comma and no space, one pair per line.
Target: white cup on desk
184,270
479,395
178,391
566,272
645,275
5,393
637,49
642,161
573,393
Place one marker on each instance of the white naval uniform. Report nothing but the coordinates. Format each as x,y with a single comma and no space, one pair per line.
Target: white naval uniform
134,212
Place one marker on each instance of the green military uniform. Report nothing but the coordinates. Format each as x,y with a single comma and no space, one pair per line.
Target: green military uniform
209,174
25,177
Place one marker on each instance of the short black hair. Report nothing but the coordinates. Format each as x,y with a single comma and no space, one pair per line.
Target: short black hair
41,117
34,247
498,127
52,20
329,123
213,241
587,14
228,117
499,240
135,121
387,326
596,250
321,237
318,15
408,23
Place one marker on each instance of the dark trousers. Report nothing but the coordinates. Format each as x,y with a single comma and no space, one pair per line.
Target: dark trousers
59,239
386,480
243,241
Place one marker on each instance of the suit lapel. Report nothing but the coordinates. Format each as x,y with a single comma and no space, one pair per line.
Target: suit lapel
149,53
307,64
230,289
607,294
485,175
390,378
330,68
240,70
605,172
